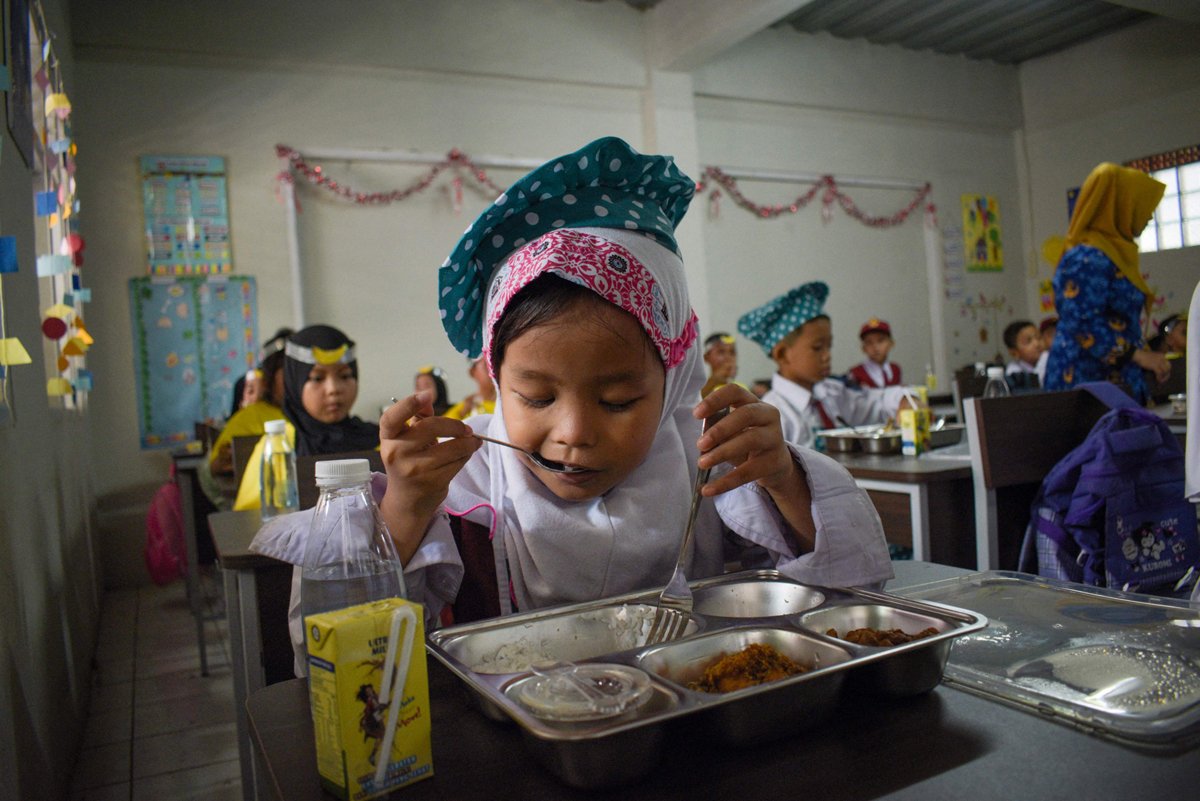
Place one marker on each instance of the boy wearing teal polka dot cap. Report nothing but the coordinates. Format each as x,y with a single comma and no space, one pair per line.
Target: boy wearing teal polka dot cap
795,332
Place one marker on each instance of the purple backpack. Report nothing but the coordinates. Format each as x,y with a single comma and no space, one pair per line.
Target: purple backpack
1112,512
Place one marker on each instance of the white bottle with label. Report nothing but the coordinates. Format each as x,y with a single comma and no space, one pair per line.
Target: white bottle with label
277,485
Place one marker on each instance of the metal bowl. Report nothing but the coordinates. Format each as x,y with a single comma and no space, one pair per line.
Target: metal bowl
756,599
868,439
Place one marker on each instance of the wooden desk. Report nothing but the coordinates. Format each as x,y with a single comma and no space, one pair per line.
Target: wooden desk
946,744
257,590
924,501
186,464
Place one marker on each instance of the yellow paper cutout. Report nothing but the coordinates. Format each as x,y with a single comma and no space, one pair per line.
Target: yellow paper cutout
62,362
53,219
73,348
58,310
57,102
83,336
324,356
58,386
13,352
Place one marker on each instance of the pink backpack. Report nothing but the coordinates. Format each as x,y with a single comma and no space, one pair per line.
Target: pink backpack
166,551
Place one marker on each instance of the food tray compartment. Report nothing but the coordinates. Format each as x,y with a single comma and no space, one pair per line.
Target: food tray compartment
763,711
493,657
755,598
571,635
916,667
1123,666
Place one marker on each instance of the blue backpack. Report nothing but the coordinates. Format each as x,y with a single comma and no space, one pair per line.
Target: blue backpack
1112,512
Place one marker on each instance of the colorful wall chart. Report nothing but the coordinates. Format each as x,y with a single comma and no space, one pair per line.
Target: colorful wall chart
981,233
193,337
187,215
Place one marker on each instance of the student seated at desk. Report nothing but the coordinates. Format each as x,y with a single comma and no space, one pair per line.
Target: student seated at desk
320,385
795,332
1024,345
250,418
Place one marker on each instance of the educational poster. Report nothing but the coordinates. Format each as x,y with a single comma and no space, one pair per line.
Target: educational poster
193,336
981,233
187,215
953,260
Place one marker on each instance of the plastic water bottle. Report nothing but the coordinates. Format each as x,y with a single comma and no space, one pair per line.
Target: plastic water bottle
277,486
349,558
996,386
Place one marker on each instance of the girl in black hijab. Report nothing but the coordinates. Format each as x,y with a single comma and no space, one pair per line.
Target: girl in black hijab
320,385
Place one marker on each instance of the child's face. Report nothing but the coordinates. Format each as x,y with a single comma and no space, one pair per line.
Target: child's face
253,390
722,360
1177,338
807,359
424,382
1048,336
1029,345
877,345
587,390
330,392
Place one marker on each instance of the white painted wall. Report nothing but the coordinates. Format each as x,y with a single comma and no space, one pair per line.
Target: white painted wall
1128,95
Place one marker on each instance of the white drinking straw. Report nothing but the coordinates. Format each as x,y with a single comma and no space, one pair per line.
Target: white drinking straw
397,684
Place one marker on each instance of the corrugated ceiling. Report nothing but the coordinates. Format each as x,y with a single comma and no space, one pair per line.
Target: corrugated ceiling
1005,31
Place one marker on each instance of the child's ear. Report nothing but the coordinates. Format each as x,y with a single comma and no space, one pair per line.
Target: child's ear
777,352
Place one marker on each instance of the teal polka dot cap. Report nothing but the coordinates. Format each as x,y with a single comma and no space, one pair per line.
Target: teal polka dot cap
606,184
770,323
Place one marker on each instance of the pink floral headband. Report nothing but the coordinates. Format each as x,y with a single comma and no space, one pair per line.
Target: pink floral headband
604,267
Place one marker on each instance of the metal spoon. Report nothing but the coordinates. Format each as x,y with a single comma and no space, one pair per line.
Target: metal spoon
548,465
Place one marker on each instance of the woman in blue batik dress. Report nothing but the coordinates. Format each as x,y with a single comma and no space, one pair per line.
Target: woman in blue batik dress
1099,290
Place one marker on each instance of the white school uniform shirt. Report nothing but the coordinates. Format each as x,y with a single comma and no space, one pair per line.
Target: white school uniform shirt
1017,366
798,413
1040,369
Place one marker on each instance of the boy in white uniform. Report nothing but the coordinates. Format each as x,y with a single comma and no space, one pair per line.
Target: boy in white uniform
795,332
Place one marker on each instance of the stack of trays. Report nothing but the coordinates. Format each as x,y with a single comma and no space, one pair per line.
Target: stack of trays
501,659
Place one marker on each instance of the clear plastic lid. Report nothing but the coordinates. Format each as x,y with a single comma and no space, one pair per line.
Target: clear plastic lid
565,691
275,426
342,472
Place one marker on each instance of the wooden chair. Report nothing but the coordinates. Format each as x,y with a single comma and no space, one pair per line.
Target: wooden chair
1014,443
966,384
306,475
242,447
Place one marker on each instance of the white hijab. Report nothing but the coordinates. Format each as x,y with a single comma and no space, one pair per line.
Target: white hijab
554,551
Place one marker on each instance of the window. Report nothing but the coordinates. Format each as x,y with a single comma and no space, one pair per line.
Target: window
1176,222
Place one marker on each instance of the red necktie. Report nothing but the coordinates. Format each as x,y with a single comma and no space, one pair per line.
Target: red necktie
825,421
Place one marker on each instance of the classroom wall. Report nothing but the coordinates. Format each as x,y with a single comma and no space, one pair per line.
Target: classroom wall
817,104
49,579
427,77
1131,94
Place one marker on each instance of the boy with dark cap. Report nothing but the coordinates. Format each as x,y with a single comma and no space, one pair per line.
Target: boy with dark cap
794,331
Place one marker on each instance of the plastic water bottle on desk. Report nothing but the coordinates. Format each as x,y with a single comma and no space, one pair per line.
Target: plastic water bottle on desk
996,386
349,558
278,490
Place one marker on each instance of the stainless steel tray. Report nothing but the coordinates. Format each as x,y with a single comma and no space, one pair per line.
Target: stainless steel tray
1119,665
493,658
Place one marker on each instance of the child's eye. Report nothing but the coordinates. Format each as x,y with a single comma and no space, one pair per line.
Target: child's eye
536,403
619,406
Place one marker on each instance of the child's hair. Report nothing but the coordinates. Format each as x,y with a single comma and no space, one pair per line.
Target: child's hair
544,299
795,333
1014,330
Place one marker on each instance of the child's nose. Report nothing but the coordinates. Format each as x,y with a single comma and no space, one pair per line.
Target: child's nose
575,428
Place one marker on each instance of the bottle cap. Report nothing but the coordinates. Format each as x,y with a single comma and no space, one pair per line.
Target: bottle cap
342,472
275,426
995,372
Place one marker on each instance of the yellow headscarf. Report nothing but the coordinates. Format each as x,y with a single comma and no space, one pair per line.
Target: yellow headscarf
1113,207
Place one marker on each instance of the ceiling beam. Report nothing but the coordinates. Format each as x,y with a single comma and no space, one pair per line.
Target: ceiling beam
1186,10
683,34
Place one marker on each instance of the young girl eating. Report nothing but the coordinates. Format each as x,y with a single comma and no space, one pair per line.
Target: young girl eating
572,287
320,385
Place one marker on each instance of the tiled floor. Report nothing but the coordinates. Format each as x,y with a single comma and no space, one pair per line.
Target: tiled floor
156,728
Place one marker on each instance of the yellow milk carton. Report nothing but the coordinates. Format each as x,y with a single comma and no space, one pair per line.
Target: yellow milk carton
914,431
369,691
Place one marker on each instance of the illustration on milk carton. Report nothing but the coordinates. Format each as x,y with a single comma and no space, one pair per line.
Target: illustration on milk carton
369,691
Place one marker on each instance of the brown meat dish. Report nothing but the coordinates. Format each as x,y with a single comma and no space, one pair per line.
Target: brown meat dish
882,637
754,664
